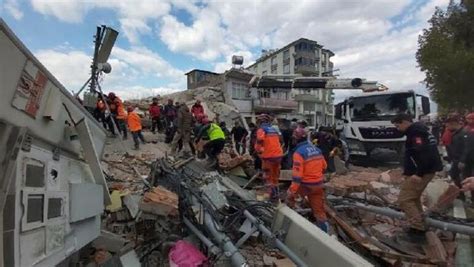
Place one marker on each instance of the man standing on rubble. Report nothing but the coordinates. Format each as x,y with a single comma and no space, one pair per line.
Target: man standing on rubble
308,169
118,113
197,109
212,132
135,125
270,152
155,113
239,133
183,131
466,164
170,113
421,162
456,148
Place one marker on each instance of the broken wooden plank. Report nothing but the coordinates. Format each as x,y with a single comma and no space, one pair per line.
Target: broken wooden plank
435,249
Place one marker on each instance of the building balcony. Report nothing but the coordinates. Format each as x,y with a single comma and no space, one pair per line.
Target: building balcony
305,69
307,98
274,105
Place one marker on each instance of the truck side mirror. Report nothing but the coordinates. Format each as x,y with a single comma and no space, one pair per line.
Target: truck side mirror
425,105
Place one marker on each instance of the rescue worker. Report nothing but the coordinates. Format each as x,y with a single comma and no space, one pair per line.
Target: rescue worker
197,108
99,111
183,132
118,113
155,113
135,125
239,133
170,113
456,148
466,163
253,140
216,137
308,168
421,162
269,150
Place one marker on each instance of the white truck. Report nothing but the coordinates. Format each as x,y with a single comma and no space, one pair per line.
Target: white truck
365,120
52,188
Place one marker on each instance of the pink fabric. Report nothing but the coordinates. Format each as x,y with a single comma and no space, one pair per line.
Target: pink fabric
184,254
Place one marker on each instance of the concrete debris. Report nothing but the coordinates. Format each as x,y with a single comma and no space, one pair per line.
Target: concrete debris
229,160
148,214
380,235
160,201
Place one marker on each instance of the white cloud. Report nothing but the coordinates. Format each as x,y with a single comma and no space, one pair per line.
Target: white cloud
129,69
70,68
71,11
147,62
133,28
367,42
133,14
13,8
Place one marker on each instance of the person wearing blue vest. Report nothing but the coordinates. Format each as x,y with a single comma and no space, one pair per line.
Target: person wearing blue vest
212,132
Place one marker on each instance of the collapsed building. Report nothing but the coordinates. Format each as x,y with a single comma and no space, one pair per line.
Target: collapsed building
66,202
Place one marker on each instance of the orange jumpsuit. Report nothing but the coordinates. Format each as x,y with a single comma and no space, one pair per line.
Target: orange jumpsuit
134,122
270,152
308,168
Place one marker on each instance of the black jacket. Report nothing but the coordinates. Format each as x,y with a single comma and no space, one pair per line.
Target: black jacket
421,152
467,156
458,145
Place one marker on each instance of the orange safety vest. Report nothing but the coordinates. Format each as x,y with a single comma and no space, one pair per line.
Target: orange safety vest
134,122
268,142
121,114
308,166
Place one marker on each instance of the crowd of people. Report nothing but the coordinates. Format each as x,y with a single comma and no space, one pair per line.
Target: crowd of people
276,144
422,160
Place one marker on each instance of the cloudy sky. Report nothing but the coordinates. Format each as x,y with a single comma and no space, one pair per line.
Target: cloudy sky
161,40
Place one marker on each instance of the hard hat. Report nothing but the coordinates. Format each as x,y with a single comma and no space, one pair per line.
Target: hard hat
111,95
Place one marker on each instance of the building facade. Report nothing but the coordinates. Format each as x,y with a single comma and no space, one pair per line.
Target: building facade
302,57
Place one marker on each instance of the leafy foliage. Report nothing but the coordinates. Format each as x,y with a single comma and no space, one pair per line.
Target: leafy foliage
446,55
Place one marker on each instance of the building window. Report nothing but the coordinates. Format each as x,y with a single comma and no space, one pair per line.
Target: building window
264,93
239,91
286,69
34,212
274,60
286,54
309,106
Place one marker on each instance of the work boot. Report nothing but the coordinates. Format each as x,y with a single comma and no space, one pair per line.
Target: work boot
136,147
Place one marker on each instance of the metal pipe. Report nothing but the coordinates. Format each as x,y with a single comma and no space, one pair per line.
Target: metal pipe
230,250
212,247
279,244
447,226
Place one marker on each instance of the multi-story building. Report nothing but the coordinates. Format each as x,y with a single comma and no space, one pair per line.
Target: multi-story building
234,83
302,57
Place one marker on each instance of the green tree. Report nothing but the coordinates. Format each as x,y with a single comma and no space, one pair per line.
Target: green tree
446,55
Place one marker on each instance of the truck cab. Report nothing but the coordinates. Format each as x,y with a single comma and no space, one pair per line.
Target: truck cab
366,119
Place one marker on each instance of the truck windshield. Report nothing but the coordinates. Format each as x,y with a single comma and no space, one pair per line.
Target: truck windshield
381,107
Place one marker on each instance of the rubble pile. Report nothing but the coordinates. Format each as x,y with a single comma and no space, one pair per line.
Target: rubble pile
229,160
383,236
